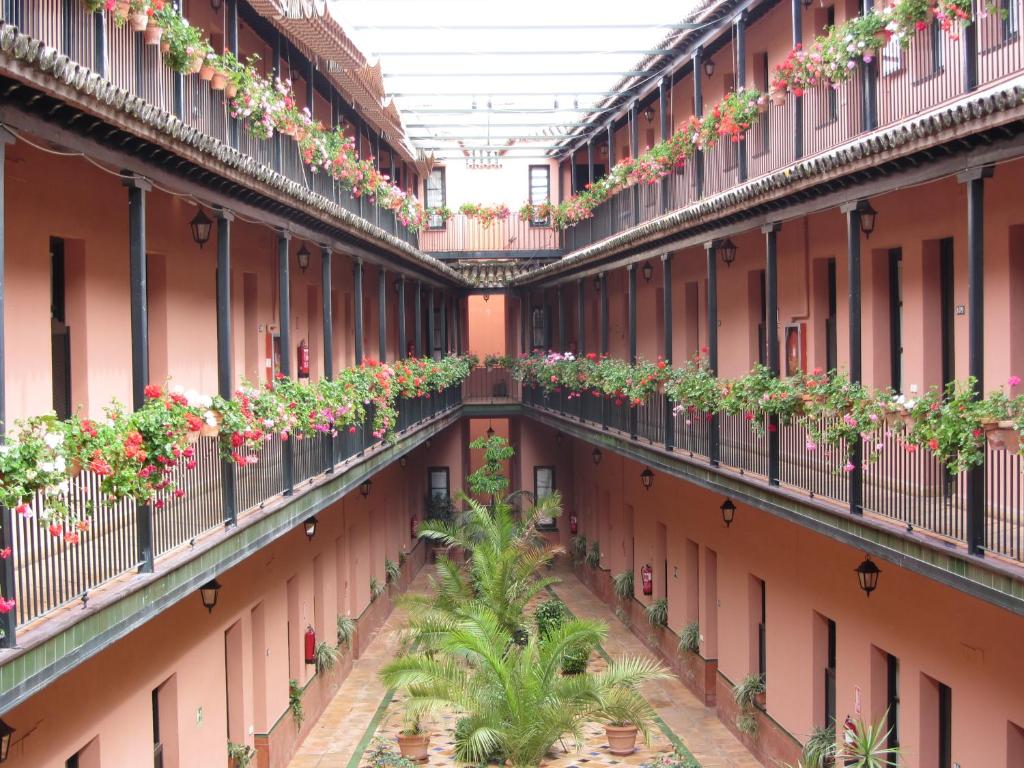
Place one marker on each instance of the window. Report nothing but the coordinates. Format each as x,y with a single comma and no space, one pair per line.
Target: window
892,700
538,329
830,677
544,486
540,190
945,726
436,195
438,479
937,49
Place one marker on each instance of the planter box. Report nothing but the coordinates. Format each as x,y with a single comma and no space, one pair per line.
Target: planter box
772,744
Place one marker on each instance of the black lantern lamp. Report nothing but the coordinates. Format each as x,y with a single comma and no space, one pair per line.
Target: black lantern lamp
649,114
867,575
728,512
201,226
490,432
309,526
867,218
728,250
647,478
648,271
365,488
596,456
303,258
709,67
5,740
208,592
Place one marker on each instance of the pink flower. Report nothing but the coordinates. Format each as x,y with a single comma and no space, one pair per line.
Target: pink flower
6,606
810,445
1013,381
848,467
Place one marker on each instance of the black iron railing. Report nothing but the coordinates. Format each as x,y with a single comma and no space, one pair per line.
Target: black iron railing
68,27
54,567
490,385
908,486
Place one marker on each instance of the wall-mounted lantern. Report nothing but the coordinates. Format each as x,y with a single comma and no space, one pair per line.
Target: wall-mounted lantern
309,526
647,478
867,575
208,593
728,512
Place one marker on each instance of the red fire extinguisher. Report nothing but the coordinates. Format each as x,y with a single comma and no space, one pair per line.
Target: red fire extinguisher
310,644
414,523
849,731
573,523
647,579
303,357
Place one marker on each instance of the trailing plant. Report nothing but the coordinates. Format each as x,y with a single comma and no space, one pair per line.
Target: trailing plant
392,571
869,746
346,629
657,612
240,755
325,656
382,755
485,213
746,693
578,547
376,589
675,759
689,638
295,702
622,583
820,748
594,555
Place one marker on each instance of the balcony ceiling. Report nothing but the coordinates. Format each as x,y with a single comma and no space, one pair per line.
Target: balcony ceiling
468,85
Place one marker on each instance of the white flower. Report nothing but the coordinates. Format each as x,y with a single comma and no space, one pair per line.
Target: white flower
913,389
210,418
60,464
178,389
205,401
46,466
53,439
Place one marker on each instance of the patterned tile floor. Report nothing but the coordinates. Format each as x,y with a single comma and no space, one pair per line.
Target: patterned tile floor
363,707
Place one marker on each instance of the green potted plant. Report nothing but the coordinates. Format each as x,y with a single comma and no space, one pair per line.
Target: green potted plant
325,656
240,755
622,584
626,715
689,638
747,694
866,746
657,612
413,740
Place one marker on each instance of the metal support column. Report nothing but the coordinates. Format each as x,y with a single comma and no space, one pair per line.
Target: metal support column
357,308
740,28
284,312
974,178
634,148
697,161
430,321
664,87
382,314
100,56
137,188
581,321
712,258
8,621
522,322
796,13
326,300
666,274
631,300
970,47
603,282
856,451
225,354
418,309
231,43
561,319
402,352
277,138
771,335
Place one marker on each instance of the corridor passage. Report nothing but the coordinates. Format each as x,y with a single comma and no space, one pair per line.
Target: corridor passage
363,707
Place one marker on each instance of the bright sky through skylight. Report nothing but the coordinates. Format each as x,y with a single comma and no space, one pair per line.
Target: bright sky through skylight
483,73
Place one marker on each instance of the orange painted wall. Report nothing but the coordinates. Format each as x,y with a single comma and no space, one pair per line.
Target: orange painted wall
487,330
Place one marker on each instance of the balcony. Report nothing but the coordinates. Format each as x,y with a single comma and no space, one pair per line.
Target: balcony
122,57
935,71
467,237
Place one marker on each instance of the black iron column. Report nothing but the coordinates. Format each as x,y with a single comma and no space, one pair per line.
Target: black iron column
430,321
457,323
581,322
177,78
771,335
697,161
798,101
634,149
326,284
631,297
666,274
231,43
741,82
284,311
561,318
603,282
970,37
869,81
418,309
8,621
528,323
99,31
444,323
276,139
611,144
225,355
137,188
974,178
573,181
402,353
590,181
664,86
856,451
522,321
357,307
382,314
713,430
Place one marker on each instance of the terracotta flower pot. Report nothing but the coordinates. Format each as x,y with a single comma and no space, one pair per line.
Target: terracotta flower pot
195,64
138,21
1003,436
778,97
193,437
415,748
153,35
219,81
121,7
206,71
165,47
621,739
231,90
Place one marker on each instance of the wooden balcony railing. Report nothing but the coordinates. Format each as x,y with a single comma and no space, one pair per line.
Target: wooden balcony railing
50,572
463,234
120,55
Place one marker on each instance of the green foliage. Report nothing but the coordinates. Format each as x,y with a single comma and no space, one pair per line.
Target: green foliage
325,656
240,755
657,612
382,755
392,572
869,749
549,615
578,547
745,693
674,760
622,583
295,702
820,748
594,555
489,479
376,588
689,638
346,627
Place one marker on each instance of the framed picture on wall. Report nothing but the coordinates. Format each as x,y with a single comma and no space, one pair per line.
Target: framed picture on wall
793,339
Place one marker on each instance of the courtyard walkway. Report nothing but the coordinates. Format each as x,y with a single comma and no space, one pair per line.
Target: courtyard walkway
363,707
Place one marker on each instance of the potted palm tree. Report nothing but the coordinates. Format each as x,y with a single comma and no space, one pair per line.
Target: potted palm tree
413,741
626,714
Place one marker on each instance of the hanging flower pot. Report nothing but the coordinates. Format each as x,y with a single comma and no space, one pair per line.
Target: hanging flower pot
778,97
196,63
231,90
206,71
193,437
219,81
153,36
1003,436
165,46
138,21
211,430
122,7
74,468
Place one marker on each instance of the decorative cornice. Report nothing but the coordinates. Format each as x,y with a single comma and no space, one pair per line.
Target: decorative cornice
944,120
31,52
